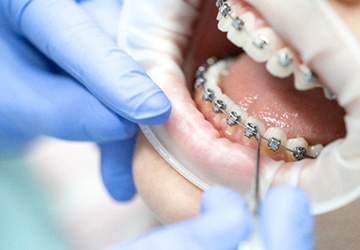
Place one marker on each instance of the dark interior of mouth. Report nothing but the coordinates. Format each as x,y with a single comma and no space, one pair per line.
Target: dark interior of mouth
306,114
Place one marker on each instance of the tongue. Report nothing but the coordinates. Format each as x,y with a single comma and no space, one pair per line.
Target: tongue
277,103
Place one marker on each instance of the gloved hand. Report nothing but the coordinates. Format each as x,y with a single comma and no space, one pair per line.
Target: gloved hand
285,219
99,97
285,223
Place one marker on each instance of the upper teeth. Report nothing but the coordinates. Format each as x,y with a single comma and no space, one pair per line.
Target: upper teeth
281,64
264,45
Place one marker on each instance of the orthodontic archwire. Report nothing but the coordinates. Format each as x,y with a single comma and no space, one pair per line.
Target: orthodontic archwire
285,59
233,118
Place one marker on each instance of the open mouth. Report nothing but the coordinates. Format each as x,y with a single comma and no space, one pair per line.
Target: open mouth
271,86
267,89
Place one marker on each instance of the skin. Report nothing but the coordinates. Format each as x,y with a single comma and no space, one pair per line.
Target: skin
173,198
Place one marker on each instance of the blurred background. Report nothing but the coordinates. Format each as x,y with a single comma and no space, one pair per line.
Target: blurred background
52,197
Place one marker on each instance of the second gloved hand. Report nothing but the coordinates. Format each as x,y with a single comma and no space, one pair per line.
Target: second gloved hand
99,97
224,222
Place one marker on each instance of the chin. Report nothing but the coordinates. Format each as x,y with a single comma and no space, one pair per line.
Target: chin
171,197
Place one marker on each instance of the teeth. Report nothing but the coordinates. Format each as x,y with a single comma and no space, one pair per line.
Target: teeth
221,103
236,114
281,63
261,44
217,91
208,95
229,114
239,28
224,22
240,111
229,103
225,10
300,146
259,124
276,137
213,84
315,150
329,94
213,72
304,78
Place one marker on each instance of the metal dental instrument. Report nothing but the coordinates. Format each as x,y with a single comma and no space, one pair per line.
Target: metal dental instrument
256,181
251,130
254,242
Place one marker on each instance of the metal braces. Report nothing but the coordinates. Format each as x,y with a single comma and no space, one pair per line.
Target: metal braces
233,118
260,41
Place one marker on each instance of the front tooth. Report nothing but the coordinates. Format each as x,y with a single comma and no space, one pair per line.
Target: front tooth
315,150
259,124
299,146
261,44
281,63
304,78
276,136
240,28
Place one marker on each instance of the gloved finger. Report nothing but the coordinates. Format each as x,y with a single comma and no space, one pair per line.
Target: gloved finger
105,12
43,101
56,106
116,171
224,222
64,32
285,219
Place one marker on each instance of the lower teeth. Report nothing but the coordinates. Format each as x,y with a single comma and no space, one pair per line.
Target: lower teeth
236,116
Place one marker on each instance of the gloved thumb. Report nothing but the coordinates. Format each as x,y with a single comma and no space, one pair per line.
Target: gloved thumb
224,221
285,219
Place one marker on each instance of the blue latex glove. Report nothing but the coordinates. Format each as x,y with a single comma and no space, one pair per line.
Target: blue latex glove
100,97
224,221
285,219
